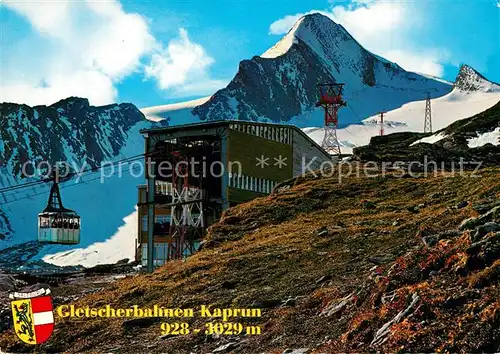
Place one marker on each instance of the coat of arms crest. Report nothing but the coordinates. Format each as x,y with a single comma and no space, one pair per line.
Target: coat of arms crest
32,315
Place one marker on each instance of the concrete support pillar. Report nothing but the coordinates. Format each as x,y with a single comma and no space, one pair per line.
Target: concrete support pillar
151,206
225,176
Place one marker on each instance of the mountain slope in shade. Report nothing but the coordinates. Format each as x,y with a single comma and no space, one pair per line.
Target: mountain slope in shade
280,85
106,205
471,95
74,132
70,130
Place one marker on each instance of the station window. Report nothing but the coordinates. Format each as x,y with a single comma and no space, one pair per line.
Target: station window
162,219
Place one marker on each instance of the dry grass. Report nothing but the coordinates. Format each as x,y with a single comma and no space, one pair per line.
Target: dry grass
267,251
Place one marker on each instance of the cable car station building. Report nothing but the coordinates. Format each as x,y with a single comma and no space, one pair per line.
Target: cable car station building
194,172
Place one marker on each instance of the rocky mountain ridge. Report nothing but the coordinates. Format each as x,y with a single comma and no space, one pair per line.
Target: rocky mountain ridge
470,80
70,130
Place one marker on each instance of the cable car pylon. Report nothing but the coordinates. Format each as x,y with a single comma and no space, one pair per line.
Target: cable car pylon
428,115
331,101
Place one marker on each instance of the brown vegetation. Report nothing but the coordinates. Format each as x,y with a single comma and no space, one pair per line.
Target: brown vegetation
329,264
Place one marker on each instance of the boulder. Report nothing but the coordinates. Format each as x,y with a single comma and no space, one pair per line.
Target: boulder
296,351
413,209
493,214
485,206
267,303
366,204
139,323
485,229
7,283
226,347
469,224
430,241
323,231
448,234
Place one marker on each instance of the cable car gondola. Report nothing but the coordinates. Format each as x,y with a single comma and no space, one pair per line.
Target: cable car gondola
56,224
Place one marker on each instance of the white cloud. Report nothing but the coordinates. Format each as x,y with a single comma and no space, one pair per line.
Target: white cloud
48,17
426,63
92,84
183,67
381,27
372,23
363,18
85,48
284,24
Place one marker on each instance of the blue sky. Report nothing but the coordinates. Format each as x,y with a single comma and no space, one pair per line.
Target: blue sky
158,52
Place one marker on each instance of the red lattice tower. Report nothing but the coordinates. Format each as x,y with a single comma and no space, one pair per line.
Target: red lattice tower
331,100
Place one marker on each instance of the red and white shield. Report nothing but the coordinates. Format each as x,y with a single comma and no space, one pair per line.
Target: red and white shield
43,318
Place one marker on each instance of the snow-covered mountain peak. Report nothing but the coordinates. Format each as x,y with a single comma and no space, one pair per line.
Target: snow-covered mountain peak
284,44
159,113
315,30
469,80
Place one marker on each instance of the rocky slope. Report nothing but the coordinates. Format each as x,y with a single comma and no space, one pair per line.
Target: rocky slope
280,85
369,264
5,227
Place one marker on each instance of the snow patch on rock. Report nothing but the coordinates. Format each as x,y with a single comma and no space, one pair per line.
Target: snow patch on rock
486,138
430,139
